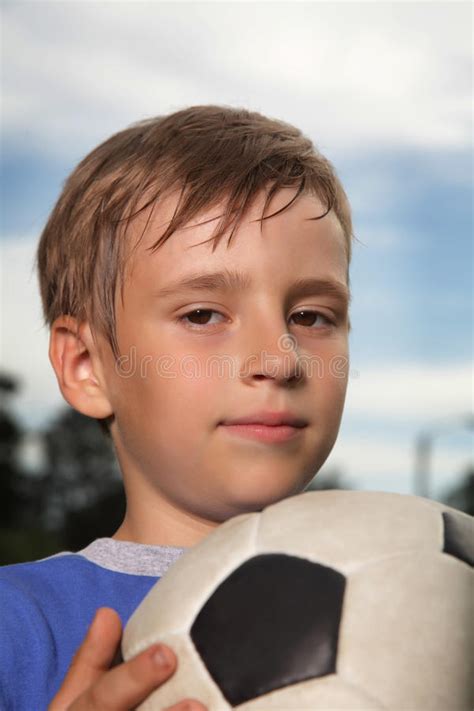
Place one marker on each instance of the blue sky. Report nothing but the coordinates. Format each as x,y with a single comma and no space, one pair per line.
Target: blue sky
385,96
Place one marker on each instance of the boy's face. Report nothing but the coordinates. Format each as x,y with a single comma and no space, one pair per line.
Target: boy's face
180,378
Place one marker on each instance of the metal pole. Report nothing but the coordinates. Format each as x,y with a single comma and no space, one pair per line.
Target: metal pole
422,464
424,446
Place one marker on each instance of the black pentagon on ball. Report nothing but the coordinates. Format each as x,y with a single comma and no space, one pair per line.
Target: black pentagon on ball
458,538
274,621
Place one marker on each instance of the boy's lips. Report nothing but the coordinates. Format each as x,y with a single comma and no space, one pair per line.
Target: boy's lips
268,418
266,426
265,433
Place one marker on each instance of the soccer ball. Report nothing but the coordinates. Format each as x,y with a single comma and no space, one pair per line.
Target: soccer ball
328,600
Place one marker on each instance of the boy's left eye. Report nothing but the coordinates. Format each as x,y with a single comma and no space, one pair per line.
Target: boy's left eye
202,316
312,316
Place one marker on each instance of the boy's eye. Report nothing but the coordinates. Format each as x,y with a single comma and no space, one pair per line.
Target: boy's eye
200,317
309,318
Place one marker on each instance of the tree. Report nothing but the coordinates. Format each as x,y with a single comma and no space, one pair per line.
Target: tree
20,537
11,501
83,495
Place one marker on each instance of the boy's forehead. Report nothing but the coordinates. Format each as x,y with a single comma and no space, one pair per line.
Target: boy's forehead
296,245
151,223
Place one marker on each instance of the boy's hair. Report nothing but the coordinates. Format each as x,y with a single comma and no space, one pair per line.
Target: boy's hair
209,154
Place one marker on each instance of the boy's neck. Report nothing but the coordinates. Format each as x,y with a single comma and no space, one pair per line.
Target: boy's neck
163,527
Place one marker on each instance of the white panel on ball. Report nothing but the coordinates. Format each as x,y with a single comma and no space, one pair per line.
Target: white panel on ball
321,525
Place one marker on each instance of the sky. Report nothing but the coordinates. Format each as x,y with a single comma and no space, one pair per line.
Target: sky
383,90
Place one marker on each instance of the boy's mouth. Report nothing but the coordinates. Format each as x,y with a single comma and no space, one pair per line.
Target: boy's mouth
266,426
265,433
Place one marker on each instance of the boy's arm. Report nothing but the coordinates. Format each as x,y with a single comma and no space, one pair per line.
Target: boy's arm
91,685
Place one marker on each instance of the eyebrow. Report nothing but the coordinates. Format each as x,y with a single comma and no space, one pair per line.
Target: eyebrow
228,280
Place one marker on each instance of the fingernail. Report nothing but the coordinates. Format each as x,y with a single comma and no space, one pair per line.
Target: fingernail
160,657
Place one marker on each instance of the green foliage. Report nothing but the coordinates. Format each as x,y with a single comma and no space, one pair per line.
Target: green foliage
18,545
82,476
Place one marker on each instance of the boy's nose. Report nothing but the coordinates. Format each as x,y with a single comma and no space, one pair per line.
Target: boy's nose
277,358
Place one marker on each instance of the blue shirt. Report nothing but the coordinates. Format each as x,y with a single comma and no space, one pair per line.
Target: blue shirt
47,606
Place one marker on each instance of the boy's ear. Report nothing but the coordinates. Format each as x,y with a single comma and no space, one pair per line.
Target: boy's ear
79,370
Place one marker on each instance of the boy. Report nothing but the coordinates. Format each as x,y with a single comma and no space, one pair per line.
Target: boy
170,336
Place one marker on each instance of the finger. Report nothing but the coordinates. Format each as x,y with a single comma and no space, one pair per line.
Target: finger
100,644
127,685
92,659
187,705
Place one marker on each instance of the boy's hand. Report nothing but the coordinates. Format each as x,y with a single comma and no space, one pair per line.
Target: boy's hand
91,685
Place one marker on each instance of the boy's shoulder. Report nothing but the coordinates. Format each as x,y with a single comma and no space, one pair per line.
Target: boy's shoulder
25,576
65,578
48,605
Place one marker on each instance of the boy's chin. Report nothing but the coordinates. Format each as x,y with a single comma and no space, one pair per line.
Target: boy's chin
263,493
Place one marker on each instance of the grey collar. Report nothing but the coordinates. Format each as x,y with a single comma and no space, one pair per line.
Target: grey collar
131,558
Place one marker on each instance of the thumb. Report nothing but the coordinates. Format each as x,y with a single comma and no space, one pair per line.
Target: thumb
93,658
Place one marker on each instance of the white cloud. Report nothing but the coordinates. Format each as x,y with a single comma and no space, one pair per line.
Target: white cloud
410,392
354,76
23,339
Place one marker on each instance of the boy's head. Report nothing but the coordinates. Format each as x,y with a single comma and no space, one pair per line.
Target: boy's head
164,366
